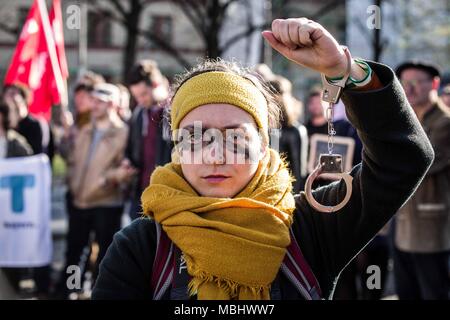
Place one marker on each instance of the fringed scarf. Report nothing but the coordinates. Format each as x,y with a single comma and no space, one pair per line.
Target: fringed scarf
233,247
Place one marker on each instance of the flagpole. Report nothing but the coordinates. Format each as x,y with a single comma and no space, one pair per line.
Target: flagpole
48,33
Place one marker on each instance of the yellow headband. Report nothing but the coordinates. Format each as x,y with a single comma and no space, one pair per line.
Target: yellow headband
219,87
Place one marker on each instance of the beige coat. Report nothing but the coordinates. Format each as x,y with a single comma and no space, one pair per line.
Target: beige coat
423,223
87,179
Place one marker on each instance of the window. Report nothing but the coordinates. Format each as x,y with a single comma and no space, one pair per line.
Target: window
162,27
99,30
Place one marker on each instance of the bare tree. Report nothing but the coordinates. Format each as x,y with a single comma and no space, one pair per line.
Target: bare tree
207,18
130,18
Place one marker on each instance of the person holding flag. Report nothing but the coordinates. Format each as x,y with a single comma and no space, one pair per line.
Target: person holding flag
39,61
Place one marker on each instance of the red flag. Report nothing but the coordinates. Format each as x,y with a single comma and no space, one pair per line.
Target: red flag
35,62
56,22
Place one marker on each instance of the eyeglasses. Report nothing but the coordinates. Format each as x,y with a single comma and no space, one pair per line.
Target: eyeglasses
237,141
194,139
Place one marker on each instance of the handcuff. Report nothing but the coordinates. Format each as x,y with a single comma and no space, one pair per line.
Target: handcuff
331,163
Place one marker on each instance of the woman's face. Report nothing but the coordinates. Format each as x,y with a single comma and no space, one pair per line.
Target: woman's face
220,149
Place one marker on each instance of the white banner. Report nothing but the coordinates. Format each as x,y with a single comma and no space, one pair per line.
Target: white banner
25,202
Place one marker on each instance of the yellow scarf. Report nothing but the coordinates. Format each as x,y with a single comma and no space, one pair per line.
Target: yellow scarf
233,247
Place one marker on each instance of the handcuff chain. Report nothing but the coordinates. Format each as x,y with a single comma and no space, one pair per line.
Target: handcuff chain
331,131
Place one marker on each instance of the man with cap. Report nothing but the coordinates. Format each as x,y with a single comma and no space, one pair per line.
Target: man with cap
422,237
95,176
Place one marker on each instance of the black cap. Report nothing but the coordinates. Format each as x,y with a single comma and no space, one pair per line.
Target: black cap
430,68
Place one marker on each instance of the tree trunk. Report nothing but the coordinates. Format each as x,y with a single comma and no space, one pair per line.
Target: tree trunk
130,52
377,45
215,23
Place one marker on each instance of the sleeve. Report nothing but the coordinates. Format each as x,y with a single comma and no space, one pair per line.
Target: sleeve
396,156
21,147
125,271
440,140
36,138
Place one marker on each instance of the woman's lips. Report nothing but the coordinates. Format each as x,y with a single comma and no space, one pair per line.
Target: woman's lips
215,178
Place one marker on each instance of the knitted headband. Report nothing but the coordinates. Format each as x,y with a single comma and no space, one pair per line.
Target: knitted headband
219,87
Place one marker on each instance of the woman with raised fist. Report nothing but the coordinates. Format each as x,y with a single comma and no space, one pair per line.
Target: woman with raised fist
221,221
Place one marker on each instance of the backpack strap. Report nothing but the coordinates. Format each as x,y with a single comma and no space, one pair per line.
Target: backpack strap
163,267
167,263
297,270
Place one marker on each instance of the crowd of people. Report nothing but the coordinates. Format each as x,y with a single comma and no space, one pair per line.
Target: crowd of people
116,135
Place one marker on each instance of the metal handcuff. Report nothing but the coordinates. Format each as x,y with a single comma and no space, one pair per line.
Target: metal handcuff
331,163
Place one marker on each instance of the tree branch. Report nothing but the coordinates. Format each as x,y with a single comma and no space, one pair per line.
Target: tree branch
244,34
119,7
150,36
326,8
164,45
194,16
227,4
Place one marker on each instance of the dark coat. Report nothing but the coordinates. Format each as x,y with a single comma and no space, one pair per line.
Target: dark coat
423,225
294,146
134,150
31,130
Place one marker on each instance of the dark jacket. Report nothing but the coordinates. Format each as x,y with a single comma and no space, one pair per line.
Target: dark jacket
423,224
17,146
31,130
134,150
396,157
294,146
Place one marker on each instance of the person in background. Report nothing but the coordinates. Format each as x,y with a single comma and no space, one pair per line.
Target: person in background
82,97
82,105
17,98
294,137
37,133
95,177
147,145
123,108
422,230
12,145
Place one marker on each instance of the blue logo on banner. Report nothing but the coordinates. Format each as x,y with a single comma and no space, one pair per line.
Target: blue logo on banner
17,185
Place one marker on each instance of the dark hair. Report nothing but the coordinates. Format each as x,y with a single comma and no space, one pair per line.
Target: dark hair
146,71
210,65
23,91
4,111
